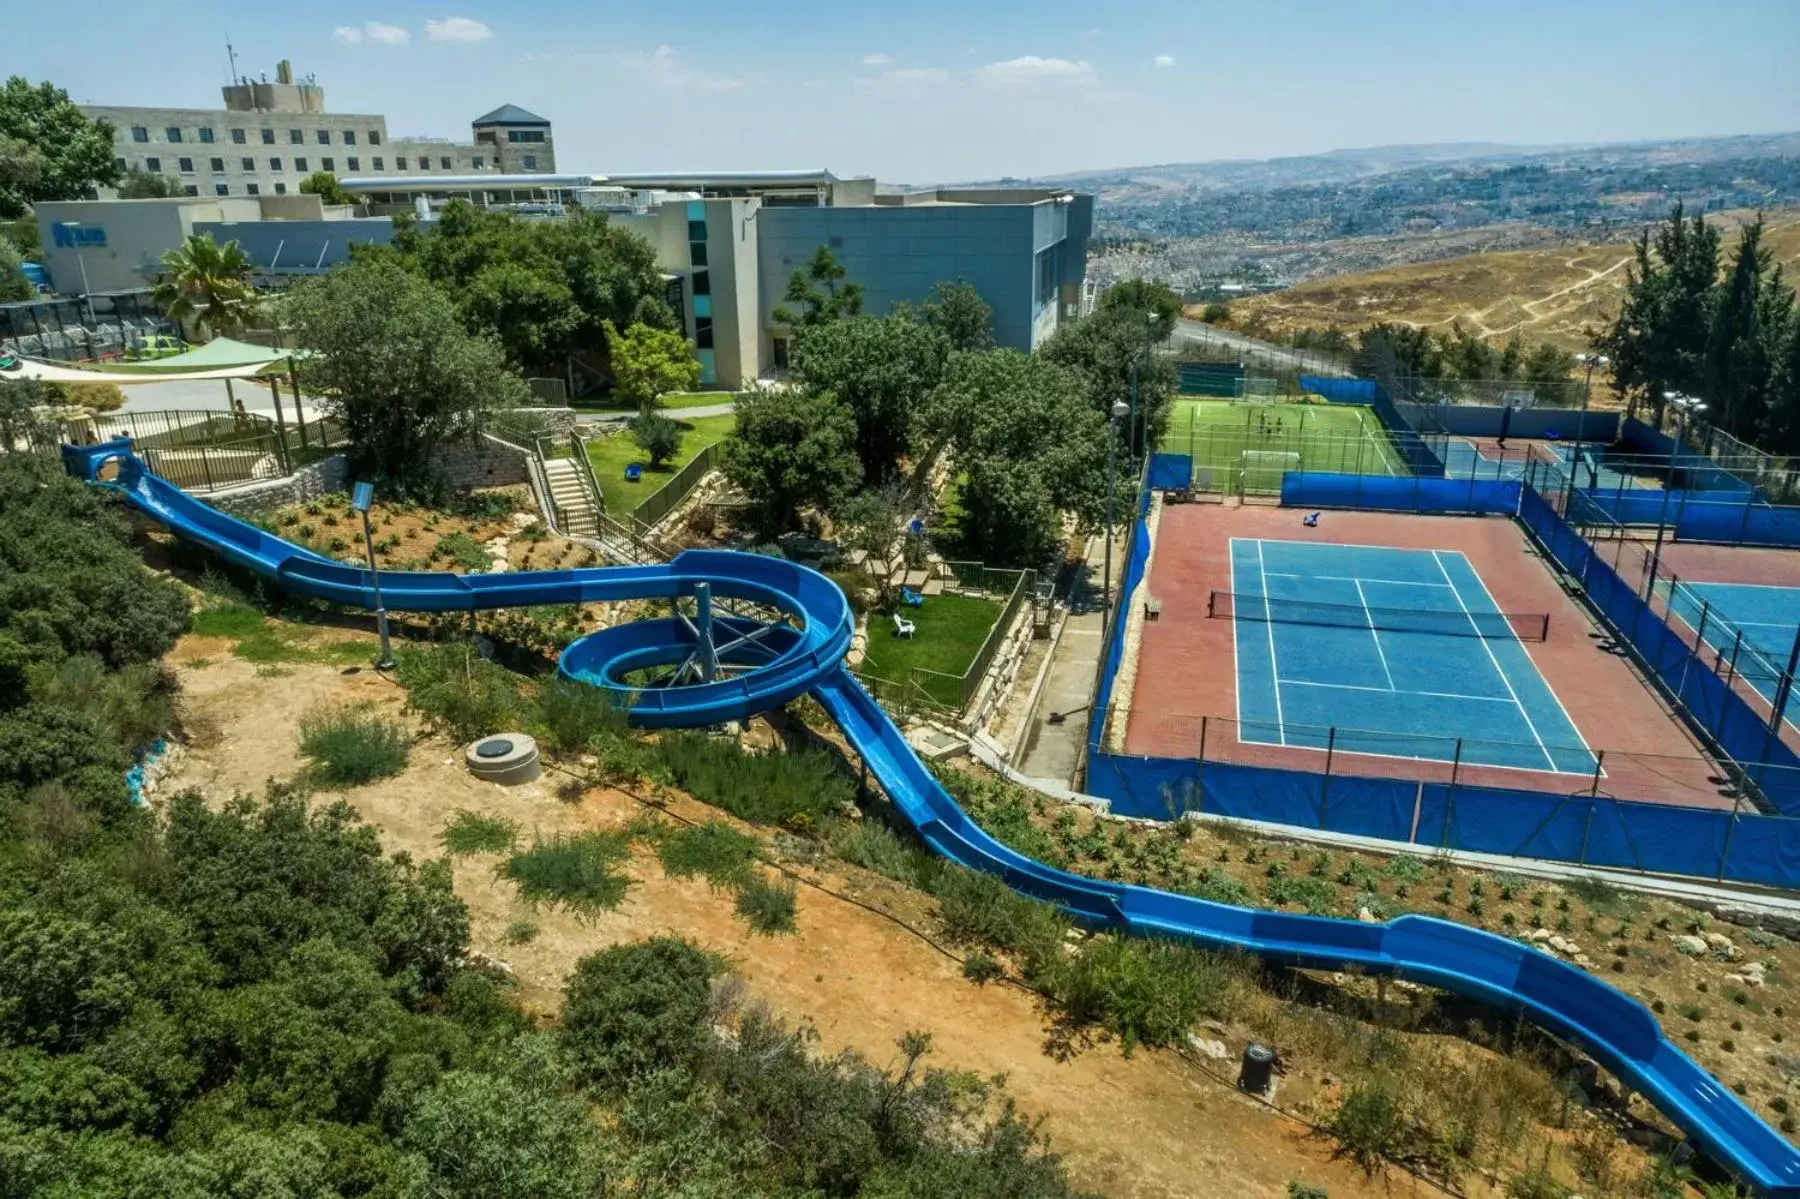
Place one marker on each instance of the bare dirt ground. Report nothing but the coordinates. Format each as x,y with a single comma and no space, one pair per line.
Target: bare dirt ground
1150,1125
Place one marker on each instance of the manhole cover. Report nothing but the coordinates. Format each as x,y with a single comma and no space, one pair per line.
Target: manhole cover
497,747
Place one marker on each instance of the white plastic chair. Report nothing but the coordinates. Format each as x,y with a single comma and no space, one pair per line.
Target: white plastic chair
904,627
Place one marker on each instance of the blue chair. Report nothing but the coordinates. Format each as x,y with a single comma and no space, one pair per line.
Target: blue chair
1310,520
634,471
911,598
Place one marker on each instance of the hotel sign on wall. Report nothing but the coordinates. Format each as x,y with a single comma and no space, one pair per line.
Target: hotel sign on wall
78,237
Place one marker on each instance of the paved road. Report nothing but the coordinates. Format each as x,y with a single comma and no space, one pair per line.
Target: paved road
1253,350
597,418
209,395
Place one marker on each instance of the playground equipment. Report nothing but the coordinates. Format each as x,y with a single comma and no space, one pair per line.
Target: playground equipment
729,667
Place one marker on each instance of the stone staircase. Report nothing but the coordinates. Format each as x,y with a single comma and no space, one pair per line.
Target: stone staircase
571,493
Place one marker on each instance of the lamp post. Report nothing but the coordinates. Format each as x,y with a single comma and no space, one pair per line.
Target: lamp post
362,498
1119,409
1685,406
1136,361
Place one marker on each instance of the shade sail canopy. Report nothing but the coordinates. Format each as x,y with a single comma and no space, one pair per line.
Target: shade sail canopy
220,358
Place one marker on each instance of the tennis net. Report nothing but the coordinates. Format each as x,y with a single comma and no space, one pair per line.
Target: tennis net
1230,605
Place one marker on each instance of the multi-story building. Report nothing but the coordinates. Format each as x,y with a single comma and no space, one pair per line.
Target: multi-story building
727,243
270,136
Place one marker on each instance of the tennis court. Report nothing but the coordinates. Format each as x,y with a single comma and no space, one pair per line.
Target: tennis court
1247,447
1402,651
1750,627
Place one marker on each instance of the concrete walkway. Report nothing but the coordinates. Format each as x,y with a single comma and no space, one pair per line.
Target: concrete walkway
1052,747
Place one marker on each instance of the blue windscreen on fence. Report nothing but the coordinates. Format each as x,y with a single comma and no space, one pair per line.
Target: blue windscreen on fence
1421,458
1340,391
1136,560
1486,497
1171,472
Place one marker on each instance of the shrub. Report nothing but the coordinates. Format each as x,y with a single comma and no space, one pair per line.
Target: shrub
794,789
473,832
465,553
1313,894
636,1008
1144,992
980,967
1299,1190
768,906
352,745
577,872
571,713
520,932
713,849
1369,1123
460,690
979,909
1536,1185
874,846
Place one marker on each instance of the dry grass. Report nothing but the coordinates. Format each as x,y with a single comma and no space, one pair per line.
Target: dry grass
1544,295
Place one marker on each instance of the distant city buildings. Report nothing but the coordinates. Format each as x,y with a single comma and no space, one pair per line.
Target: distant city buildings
270,136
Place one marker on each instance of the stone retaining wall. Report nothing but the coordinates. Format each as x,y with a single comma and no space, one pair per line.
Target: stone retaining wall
309,482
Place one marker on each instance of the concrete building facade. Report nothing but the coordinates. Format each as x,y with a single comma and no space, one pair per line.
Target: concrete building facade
271,135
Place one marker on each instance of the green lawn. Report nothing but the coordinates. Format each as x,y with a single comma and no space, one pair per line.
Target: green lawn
1344,438
951,631
611,454
673,402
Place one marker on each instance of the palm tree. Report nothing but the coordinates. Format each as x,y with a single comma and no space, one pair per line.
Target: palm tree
206,284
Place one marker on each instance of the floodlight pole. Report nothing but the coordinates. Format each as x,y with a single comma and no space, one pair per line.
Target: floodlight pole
363,497
1683,405
1118,410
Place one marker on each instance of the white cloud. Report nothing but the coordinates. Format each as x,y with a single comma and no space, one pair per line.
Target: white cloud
877,60
1029,68
457,29
1164,60
387,35
349,35
663,66
902,77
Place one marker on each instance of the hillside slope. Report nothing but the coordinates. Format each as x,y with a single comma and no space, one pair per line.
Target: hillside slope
1543,295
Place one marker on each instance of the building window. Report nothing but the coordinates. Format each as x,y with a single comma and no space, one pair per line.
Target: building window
268,136
173,133
327,164
186,165
218,166
237,137
206,134
221,189
399,164
190,190
530,162
281,189
703,333
354,164
248,164
139,133
444,164
374,137
251,189
296,137
697,253
517,136
153,165
300,164
274,164
780,355
480,162
424,163
122,165
1046,276
349,137
380,165
324,137
702,282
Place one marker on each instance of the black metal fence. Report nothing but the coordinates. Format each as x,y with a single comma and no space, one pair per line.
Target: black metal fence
937,693
95,328
671,494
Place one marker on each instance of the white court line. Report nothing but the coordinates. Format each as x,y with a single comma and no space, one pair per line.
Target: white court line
1486,699
1373,632
1293,574
1274,663
1498,669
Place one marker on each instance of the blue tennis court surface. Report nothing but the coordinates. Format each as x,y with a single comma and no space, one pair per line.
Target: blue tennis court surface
1403,651
1751,626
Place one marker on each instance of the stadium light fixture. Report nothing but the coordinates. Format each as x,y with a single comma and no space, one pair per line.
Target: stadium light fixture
1685,406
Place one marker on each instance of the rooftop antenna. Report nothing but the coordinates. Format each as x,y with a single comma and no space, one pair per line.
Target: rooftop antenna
232,55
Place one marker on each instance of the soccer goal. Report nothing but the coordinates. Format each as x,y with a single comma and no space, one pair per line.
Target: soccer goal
1260,471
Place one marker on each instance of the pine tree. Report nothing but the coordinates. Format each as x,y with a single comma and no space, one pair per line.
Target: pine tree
1781,433
1736,366
1658,339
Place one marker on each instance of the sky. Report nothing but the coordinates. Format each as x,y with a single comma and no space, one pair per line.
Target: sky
933,91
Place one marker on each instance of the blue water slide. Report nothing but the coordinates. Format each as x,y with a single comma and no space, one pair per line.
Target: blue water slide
779,659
